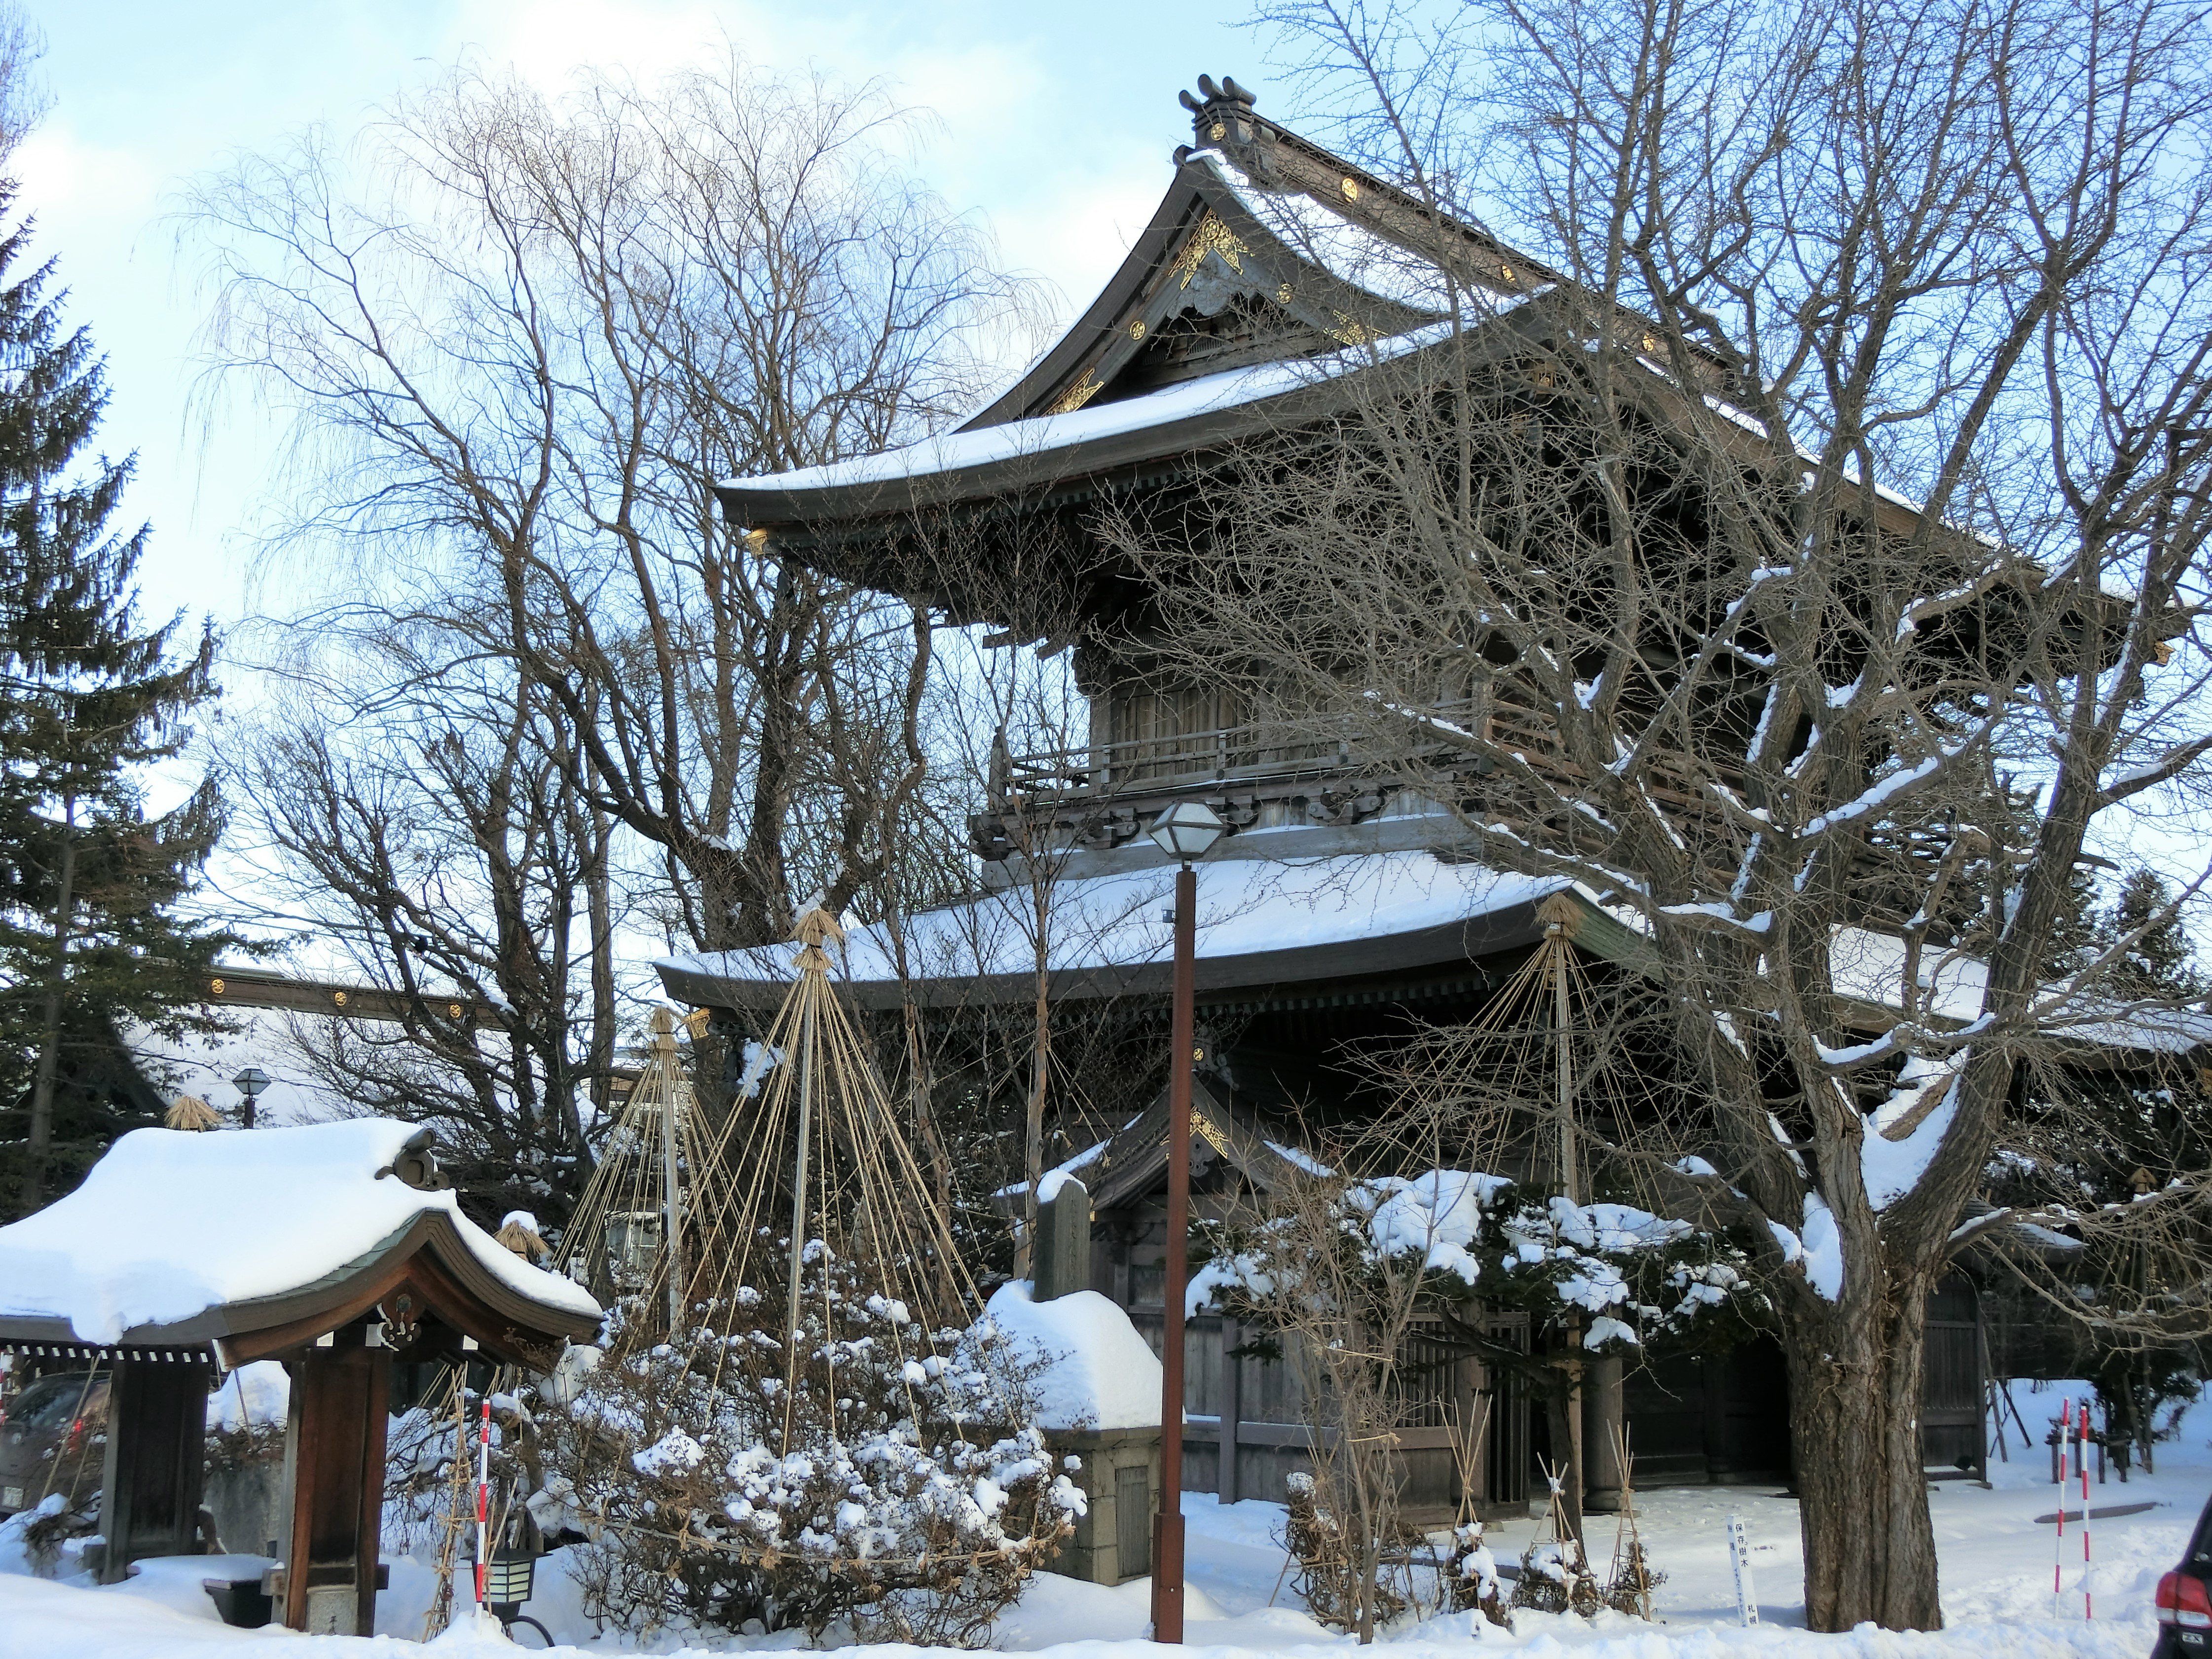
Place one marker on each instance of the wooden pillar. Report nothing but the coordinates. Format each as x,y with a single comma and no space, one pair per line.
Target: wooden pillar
1232,1408
1602,1419
157,1459
337,1497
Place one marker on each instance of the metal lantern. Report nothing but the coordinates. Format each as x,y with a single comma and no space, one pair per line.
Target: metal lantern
1187,830
249,1084
509,1576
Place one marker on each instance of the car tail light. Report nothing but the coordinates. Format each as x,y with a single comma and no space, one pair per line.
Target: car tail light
2183,1600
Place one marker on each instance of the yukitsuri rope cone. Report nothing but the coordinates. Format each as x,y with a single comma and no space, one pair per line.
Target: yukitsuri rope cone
190,1112
799,1420
616,1239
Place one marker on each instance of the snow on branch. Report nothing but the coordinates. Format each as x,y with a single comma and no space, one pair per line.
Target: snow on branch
1620,1273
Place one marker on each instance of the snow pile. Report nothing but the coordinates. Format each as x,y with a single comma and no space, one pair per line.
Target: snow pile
1093,1369
170,1223
255,1397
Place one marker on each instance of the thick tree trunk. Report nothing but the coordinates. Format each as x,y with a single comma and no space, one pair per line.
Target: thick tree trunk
1855,1429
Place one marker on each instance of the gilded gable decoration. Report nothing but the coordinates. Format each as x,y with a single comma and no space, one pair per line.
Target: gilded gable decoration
1084,389
1212,236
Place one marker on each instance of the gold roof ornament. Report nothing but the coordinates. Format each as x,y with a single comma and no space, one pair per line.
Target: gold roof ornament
1209,236
1085,388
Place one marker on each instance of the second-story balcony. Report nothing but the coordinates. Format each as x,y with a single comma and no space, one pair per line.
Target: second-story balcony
1103,796
1322,792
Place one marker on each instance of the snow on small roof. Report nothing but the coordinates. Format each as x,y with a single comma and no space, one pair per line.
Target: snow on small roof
171,1224
1870,967
1112,925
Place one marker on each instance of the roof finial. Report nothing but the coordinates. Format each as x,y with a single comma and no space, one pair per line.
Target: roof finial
1221,117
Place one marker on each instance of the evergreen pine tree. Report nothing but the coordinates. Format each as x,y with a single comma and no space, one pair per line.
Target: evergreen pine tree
2163,961
90,699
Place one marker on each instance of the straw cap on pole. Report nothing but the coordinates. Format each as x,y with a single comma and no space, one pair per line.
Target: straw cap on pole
190,1112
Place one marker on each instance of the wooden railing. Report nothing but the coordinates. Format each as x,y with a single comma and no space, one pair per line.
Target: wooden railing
1240,754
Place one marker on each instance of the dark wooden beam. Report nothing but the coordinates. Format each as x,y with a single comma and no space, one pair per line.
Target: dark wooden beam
252,987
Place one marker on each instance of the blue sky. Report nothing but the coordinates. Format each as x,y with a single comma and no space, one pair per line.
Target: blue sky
1057,122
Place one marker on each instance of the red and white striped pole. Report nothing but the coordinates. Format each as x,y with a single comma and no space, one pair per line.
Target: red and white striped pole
2058,1564
2081,1444
484,1500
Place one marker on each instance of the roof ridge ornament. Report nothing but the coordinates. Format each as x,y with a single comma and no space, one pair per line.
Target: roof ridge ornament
1222,118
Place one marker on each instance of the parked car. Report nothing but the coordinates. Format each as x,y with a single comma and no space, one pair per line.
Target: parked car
55,1419
2185,1599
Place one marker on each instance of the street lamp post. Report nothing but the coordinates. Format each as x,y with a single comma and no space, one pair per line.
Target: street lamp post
1185,832
249,1084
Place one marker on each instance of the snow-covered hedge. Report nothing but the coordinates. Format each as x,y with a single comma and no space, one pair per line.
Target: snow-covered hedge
1622,1274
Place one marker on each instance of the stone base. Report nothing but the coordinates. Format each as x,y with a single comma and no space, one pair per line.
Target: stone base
1120,1478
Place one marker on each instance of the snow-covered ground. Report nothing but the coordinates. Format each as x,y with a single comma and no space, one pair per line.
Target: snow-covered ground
1997,1560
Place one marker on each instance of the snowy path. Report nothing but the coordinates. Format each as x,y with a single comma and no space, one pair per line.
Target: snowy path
1995,1562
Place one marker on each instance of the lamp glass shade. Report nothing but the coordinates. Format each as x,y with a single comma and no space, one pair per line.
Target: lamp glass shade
509,1576
1187,830
251,1081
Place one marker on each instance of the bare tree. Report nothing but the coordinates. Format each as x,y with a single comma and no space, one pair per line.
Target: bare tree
429,816
524,337
1804,563
23,98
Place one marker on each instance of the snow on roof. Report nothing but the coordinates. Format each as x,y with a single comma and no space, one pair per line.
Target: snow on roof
1041,434
1094,1371
1347,251
1871,967
1245,907
170,1224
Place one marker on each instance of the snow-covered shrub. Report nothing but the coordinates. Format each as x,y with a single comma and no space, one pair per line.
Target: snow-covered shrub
1633,1579
1555,1578
47,1539
884,1478
425,1494
246,1417
1471,1578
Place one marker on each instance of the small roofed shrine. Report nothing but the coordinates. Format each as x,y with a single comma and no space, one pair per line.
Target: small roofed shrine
336,1248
